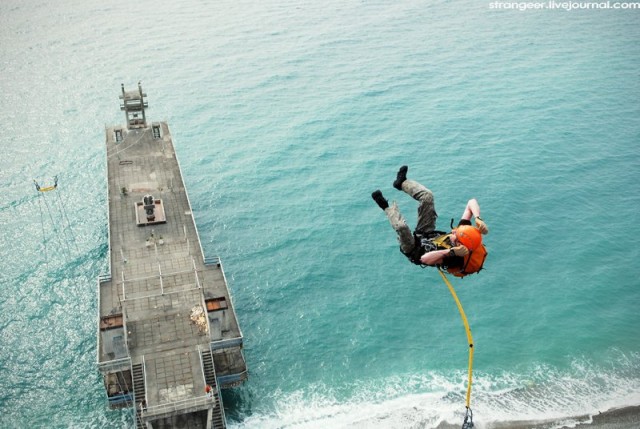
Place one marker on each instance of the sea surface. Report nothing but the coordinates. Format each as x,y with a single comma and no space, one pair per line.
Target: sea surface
286,115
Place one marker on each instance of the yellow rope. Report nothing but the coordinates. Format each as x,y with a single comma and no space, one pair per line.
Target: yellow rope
466,327
47,189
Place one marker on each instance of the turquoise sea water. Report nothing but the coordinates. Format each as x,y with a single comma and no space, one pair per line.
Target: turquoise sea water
286,116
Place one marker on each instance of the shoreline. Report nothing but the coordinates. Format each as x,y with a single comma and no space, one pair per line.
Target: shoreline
615,418
630,414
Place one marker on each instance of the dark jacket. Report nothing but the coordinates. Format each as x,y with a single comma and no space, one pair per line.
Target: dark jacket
424,243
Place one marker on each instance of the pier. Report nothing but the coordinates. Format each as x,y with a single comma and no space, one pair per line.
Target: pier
168,334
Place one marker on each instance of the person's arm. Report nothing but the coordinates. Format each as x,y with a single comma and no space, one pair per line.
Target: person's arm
436,257
473,209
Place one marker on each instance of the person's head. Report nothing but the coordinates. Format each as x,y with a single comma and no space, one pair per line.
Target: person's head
468,236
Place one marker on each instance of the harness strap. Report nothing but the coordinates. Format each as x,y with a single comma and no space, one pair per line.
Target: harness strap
442,241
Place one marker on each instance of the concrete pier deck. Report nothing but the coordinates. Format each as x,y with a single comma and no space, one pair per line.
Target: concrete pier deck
168,335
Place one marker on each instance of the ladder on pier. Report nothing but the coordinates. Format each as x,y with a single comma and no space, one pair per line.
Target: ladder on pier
139,390
218,419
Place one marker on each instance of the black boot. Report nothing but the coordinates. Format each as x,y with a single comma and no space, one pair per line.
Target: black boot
401,177
378,198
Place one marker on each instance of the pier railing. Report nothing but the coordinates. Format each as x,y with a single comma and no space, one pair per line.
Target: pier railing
160,284
226,344
115,365
212,260
184,405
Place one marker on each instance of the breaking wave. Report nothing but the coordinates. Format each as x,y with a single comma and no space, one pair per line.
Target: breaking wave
435,401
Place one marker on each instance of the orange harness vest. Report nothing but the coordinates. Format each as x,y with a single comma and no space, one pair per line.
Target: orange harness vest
473,261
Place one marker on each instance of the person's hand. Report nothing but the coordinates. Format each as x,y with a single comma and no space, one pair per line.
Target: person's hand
481,226
459,251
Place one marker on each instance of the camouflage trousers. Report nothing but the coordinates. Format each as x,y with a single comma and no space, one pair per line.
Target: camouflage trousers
426,215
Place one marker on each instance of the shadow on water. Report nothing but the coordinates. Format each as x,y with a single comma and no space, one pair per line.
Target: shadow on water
238,403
